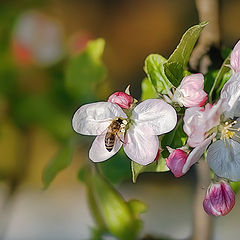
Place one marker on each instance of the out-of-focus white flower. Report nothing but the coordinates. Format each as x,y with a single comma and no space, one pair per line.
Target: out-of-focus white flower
37,39
235,57
138,133
219,199
122,99
190,93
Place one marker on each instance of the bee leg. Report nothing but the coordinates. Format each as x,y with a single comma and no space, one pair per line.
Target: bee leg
120,139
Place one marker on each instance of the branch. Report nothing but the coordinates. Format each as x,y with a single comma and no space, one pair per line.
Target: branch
208,10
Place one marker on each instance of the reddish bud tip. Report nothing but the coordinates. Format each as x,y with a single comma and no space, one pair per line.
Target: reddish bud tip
121,99
176,161
219,199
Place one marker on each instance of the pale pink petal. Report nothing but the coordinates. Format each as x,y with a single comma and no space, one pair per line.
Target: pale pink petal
196,153
190,93
157,114
141,145
94,118
235,57
198,121
98,151
230,95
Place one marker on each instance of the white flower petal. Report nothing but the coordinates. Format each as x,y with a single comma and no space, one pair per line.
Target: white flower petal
94,118
224,159
157,114
98,151
196,153
141,145
230,95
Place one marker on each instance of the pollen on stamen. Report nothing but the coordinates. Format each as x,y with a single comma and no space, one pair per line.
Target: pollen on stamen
124,122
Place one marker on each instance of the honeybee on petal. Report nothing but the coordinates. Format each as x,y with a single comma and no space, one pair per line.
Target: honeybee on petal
117,126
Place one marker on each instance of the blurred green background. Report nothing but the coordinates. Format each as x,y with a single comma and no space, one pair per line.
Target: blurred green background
46,73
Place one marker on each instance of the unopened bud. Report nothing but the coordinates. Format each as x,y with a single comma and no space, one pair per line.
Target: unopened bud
219,199
121,99
190,93
176,161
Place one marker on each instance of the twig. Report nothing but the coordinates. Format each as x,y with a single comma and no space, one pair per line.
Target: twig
208,10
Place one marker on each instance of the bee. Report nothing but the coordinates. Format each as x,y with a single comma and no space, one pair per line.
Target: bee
117,126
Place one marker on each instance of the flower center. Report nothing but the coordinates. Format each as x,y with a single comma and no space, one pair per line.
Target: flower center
228,131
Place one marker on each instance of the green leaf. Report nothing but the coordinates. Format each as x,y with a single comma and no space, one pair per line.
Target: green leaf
117,168
62,160
235,186
209,80
174,139
218,80
177,62
85,71
120,218
159,166
148,91
155,72
40,110
137,207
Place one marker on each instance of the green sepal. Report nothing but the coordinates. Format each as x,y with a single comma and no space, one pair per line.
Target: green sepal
156,166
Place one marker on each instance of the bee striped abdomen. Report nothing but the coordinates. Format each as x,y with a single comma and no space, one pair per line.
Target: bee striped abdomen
109,141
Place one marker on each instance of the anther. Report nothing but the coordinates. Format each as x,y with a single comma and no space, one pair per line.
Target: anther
124,122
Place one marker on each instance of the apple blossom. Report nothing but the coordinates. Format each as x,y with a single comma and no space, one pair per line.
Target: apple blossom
190,93
122,99
219,199
198,121
223,156
148,119
235,57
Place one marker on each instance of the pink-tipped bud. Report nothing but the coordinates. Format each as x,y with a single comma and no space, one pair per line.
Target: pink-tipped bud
190,93
235,57
219,199
176,161
121,99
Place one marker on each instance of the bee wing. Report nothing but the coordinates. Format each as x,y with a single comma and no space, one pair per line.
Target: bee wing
98,151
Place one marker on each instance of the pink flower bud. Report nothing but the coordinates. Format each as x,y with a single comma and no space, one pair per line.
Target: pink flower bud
235,57
219,199
176,161
190,93
121,99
